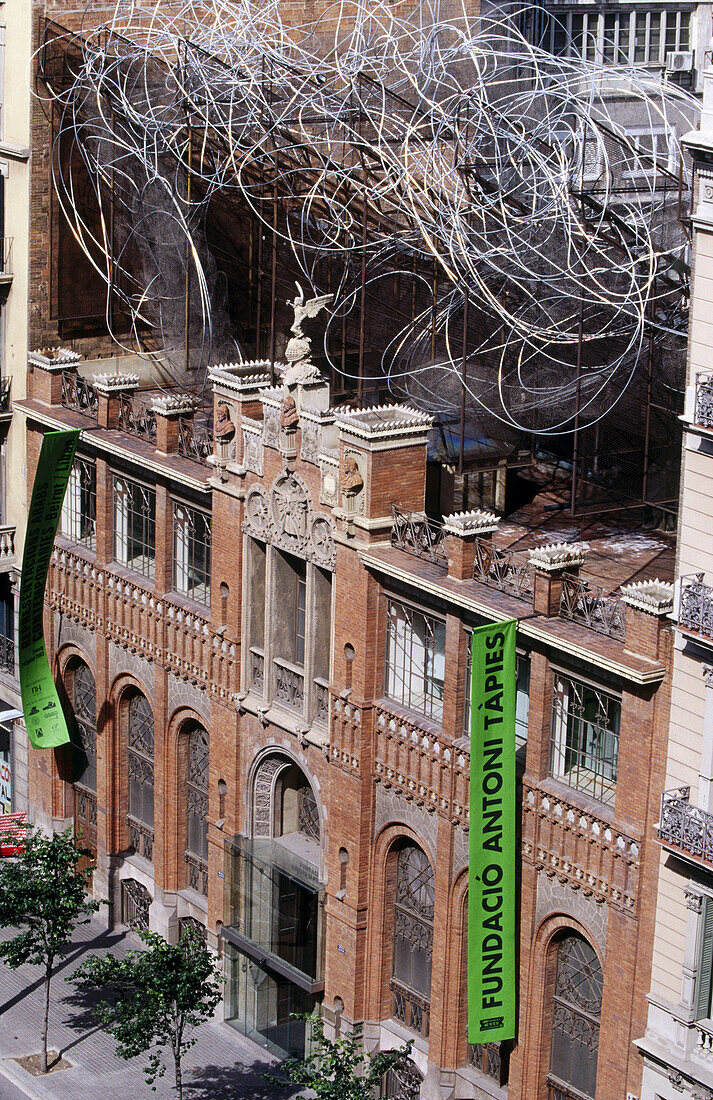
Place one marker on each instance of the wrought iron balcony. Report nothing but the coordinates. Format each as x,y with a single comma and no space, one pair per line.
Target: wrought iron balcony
696,605
78,394
136,421
7,655
491,1059
685,829
703,413
195,441
502,569
411,1008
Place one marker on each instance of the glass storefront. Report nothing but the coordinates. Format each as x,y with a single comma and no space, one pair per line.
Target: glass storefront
274,942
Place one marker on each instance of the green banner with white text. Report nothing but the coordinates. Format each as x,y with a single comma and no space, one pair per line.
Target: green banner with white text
492,983
45,721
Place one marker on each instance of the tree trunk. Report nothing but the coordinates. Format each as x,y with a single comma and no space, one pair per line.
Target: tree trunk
46,1020
179,1080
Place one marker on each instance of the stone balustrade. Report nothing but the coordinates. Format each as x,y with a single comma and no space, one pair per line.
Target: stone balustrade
136,618
580,849
421,766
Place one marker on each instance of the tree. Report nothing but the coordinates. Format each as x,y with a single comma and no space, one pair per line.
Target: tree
44,892
340,1069
149,1000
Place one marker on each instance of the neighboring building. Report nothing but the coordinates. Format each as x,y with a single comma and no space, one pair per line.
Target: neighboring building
265,647
15,95
678,1043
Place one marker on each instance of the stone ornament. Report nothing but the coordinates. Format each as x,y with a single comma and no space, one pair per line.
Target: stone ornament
271,427
309,447
352,481
289,417
224,427
298,352
253,451
284,519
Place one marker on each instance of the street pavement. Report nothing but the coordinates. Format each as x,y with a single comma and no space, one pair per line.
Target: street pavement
222,1064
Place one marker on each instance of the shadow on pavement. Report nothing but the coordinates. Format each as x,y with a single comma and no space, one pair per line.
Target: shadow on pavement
236,1082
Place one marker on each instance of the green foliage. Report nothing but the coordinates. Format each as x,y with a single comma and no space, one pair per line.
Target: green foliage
150,999
340,1069
43,892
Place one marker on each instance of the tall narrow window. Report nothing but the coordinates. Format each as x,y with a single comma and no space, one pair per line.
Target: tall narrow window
413,938
197,809
288,630
79,510
135,526
584,748
415,660
84,704
191,553
7,625
256,570
141,765
522,697
575,1018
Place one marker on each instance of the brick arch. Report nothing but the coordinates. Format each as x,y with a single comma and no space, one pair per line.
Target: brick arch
534,1039
118,777
69,651
381,931
290,757
174,806
63,756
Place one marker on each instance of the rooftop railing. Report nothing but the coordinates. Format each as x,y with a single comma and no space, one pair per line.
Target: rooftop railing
695,610
589,604
136,421
684,826
416,534
78,394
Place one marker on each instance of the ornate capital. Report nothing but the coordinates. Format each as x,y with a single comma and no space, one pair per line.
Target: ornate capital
707,674
694,900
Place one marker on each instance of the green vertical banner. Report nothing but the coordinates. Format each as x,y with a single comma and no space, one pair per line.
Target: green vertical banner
491,880
46,725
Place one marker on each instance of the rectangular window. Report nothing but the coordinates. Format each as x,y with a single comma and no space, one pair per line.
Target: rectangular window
78,521
415,660
191,553
614,37
584,747
704,977
522,698
135,526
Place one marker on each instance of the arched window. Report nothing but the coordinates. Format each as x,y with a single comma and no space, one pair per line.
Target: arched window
84,704
141,757
197,809
576,1015
413,937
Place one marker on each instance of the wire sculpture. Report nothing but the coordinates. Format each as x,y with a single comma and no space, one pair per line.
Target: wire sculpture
398,141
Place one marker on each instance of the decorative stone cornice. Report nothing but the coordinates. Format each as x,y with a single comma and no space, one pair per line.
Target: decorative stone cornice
383,420
558,556
694,900
116,383
654,597
476,522
243,378
175,405
53,359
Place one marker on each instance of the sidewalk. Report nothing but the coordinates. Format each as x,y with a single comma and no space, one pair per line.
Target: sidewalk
222,1063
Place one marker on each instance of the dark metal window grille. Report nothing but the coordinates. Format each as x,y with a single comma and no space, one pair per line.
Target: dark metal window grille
84,703
190,924
135,902
413,938
576,1016
197,792
308,813
300,616
626,37
141,774
584,746
191,553
135,526
415,660
79,510
402,1084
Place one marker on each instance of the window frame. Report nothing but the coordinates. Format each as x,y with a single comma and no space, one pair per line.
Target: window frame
184,566
563,720
432,707
73,517
124,540
522,660
581,34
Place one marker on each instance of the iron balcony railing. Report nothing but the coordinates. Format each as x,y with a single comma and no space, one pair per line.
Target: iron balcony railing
592,606
6,256
695,610
416,534
136,421
195,441
684,827
79,395
503,569
703,413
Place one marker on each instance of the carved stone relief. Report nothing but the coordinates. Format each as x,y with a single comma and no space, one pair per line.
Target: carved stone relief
309,448
263,786
271,426
285,519
253,451
351,482
329,484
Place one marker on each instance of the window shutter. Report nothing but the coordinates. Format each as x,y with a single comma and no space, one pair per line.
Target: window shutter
705,961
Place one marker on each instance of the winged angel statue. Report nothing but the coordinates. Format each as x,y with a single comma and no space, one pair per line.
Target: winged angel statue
298,352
